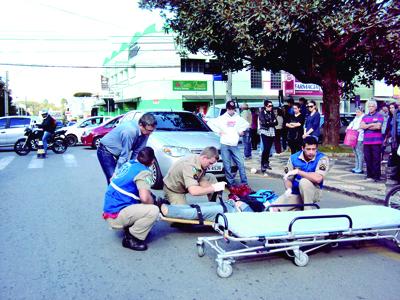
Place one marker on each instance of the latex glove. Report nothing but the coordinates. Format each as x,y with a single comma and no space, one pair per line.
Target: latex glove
291,173
219,186
288,192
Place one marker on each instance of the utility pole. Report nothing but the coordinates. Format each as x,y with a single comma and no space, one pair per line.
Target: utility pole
229,87
6,112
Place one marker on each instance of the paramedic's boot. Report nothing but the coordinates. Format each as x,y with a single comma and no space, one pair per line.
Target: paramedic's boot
131,242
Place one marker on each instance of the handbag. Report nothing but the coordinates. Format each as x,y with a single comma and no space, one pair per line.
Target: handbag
351,138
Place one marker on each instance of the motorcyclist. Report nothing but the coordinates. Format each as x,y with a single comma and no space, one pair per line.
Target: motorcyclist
49,126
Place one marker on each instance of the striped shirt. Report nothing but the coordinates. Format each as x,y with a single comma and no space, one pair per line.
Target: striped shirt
373,136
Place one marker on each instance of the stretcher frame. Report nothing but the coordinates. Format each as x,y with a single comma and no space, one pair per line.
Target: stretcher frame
290,243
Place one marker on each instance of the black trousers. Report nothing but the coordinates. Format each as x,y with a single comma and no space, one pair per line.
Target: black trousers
372,156
267,144
294,145
254,138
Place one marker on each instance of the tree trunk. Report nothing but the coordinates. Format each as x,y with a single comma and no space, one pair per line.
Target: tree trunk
331,105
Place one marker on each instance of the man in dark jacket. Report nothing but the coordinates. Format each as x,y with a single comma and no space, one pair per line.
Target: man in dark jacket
49,126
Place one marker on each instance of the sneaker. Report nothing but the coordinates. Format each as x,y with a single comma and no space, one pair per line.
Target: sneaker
358,172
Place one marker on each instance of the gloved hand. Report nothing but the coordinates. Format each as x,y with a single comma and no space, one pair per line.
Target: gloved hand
288,192
291,173
219,186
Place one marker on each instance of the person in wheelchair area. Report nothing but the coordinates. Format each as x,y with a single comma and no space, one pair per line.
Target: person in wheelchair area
49,127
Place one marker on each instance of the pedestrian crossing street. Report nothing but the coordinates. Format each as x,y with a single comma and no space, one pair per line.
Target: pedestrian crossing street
67,160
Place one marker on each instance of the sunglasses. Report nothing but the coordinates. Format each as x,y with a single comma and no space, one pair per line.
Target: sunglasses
269,105
310,106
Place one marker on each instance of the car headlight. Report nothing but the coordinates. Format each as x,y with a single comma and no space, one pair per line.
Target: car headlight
175,151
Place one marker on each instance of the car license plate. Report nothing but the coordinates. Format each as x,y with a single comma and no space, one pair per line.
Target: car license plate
217,167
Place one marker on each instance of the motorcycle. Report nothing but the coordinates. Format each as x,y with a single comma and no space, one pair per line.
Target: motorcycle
56,142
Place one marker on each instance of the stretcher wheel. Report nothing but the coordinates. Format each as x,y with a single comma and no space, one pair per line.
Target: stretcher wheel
301,259
200,250
224,270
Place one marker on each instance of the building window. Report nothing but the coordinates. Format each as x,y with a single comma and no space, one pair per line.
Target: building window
276,81
192,65
256,79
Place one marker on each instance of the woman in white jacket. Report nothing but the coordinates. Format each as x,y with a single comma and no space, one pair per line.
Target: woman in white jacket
358,149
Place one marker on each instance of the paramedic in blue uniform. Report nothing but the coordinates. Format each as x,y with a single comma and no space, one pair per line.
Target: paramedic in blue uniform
128,201
123,143
305,172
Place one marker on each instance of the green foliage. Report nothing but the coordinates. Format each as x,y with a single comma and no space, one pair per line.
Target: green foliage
83,94
318,41
304,38
335,149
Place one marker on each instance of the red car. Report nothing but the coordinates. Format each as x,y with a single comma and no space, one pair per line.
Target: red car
91,137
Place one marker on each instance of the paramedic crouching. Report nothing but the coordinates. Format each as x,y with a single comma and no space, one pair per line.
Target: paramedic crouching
305,172
128,201
188,176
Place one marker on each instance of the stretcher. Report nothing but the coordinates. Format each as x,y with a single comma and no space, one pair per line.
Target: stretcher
296,232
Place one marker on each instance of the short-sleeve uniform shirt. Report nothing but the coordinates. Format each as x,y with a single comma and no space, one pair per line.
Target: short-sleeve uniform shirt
184,173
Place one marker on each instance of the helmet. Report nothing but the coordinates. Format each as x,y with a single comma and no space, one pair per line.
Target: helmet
44,113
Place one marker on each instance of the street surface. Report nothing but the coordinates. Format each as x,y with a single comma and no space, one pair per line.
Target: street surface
55,245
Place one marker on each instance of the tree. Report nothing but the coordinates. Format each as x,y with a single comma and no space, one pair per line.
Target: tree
83,94
6,93
332,43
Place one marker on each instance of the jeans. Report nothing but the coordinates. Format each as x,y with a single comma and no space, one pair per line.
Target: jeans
45,138
209,210
107,161
359,156
247,143
228,153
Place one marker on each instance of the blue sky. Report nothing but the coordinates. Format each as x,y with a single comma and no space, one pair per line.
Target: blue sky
63,32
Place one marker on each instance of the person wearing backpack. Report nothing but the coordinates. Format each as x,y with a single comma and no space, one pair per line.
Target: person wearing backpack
49,127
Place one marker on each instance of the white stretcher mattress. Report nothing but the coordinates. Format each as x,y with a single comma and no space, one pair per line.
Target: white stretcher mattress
270,224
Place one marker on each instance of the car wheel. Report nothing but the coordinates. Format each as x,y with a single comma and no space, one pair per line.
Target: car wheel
157,177
96,142
72,140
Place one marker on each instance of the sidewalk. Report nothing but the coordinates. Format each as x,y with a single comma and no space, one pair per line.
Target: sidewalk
339,178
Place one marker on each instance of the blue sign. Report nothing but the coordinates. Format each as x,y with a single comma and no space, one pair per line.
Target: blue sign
217,77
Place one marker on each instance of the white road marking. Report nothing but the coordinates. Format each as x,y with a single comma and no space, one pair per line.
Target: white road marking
5,161
70,161
36,163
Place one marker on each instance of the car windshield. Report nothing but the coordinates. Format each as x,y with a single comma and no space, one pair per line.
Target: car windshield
211,113
179,121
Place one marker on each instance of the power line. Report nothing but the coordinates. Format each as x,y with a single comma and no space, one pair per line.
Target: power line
91,67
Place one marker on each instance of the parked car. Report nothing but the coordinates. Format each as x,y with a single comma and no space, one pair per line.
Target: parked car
178,134
91,137
345,120
75,131
12,128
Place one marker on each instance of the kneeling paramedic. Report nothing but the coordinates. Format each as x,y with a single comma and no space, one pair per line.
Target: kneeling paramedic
128,200
188,176
305,172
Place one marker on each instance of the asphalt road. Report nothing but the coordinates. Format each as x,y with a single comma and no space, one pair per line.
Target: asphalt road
55,245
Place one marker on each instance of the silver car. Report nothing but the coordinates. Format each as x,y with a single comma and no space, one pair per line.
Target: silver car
178,134
12,128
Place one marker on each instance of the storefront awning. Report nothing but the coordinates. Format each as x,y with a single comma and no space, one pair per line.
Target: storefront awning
128,100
